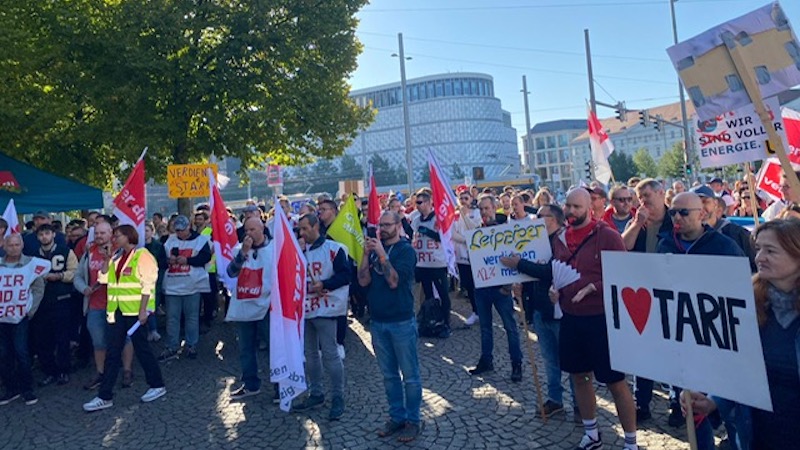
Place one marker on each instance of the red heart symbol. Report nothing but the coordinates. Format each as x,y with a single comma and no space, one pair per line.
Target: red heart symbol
638,304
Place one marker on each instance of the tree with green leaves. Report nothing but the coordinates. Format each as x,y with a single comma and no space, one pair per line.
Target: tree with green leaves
456,174
349,168
382,170
89,83
671,163
645,164
622,166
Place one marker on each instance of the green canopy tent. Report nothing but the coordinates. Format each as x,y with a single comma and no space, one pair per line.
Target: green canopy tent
34,189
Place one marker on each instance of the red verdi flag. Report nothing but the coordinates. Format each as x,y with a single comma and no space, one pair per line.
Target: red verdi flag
223,231
444,205
287,326
374,206
791,122
130,205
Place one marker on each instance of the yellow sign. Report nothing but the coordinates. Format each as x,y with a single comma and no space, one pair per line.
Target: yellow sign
188,180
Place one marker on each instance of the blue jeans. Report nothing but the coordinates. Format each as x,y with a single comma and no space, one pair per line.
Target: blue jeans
547,331
190,305
320,336
15,358
738,423
395,345
504,304
97,323
248,350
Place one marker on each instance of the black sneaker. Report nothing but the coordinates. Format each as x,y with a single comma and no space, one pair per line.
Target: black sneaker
47,381
337,409
642,415
310,402
191,352
516,372
276,395
676,418
94,383
30,398
550,408
482,368
390,427
168,355
587,443
243,393
8,398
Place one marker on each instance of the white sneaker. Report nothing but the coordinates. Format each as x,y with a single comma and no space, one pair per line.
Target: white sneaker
472,319
97,404
153,336
153,394
340,351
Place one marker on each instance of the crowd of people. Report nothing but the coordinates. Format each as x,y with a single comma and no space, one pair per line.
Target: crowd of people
105,292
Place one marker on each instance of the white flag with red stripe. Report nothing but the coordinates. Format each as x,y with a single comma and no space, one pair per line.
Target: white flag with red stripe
287,327
130,205
223,232
10,216
444,205
601,148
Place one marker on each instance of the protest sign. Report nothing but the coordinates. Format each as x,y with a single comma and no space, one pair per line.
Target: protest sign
486,245
737,136
274,176
688,320
769,178
15,284
188,180
712,77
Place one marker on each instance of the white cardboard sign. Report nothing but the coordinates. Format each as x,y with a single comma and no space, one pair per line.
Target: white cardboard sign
486,245
686,320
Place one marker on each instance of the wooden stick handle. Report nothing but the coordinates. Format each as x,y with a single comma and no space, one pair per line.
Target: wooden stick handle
690,430
531,358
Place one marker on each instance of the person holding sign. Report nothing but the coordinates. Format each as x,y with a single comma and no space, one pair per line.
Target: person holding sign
777,294
583,346
131,277
15,359
500,297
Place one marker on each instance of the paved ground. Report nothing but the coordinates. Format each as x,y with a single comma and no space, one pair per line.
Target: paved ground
459,411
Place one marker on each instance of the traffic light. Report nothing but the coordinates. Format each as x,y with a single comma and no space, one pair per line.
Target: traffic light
644,118
621,111
657,123
688,170
588,170
477,173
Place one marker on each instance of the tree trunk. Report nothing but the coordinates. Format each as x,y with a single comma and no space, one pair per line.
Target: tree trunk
180,156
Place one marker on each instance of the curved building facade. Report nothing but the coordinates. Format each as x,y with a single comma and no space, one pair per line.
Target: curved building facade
456,115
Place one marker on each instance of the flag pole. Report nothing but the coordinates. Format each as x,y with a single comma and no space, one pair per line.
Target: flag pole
143,153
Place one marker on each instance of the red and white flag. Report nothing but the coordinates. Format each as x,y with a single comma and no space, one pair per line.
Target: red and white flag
444,205
769,178
130,205
374,205
287,327
791,123
222,231
601,148
10,215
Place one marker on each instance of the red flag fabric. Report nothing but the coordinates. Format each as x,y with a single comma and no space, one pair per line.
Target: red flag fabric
10,215
374,206
601,148
223,232
769,178
287,325
130,205
444,205
791,123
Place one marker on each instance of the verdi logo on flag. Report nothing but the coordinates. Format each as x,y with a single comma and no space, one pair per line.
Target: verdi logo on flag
223,231
346,230
444,206
130,205
286,320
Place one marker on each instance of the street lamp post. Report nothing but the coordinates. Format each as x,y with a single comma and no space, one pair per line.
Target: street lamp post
687,145
406,124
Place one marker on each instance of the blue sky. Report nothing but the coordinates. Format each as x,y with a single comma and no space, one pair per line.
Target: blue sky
542,39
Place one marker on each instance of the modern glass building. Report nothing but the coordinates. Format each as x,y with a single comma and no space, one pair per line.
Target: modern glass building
456,115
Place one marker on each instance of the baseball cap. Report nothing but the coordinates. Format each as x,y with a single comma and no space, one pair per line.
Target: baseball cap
41,213
715,180
251,208
181,223
703,191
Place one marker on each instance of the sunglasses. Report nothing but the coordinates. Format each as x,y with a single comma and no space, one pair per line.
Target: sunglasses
387,225
682,211
623,199
419,202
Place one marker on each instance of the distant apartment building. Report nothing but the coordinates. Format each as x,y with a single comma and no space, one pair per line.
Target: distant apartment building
548,151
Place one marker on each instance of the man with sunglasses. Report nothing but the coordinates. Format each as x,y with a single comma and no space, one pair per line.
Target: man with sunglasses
691,235
621,211
431,259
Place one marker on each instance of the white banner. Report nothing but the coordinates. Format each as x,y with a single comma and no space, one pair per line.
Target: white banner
486,245
15,289
736,137
686,320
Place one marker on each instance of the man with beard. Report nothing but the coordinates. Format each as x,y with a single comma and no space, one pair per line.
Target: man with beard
387,271
583,345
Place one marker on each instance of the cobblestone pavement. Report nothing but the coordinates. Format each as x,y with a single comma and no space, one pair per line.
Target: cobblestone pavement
459,411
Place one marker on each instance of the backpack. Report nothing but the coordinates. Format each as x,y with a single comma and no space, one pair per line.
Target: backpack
430,318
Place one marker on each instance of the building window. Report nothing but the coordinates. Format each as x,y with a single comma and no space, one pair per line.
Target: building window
483,88
473,87
431,89
448,88
540,159
565,155
552,157
457,86
551,142
440,89
539,143
562,140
